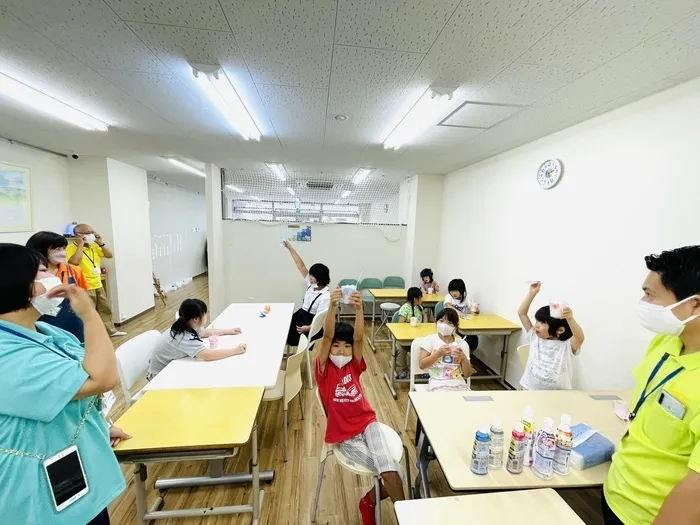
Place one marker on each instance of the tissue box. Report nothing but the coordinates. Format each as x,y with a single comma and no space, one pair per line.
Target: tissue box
590,447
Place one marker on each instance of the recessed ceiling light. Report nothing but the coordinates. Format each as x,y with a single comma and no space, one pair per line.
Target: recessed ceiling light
361,175
340,116
291,191
278,169
234,188
185,166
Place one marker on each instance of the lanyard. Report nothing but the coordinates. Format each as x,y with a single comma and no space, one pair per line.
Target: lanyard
89,258
57,350
644,395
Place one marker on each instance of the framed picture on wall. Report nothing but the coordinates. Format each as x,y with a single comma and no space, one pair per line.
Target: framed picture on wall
15,199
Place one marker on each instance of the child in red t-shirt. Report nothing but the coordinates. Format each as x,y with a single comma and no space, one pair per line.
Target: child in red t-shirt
352,423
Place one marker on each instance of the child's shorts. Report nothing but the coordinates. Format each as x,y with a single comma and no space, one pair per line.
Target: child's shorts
371,450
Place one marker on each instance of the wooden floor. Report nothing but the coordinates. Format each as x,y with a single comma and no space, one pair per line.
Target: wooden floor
288,500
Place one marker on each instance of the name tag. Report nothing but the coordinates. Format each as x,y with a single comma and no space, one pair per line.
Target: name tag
671,405
96,271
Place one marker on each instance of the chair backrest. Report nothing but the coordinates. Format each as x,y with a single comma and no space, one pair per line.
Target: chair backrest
370,282
292,376
394,281
415,360
320,402
316,326
132,360
395,317
523,352
439,307
344,282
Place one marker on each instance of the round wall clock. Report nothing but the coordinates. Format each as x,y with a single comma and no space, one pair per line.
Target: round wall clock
549,173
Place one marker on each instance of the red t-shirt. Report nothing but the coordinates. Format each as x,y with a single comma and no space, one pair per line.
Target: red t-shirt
346,406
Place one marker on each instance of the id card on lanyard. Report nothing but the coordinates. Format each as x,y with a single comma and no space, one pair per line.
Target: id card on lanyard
95,269
645,395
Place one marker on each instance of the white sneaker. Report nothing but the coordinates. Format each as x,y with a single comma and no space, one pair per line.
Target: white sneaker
117,334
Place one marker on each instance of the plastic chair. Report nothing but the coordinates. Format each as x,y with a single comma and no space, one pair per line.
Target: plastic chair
415,369
396,447
288,386
395,317
366,284
523,353
394,281
132,362
314,337
439,308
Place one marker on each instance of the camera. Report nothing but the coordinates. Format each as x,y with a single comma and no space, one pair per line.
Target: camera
75,156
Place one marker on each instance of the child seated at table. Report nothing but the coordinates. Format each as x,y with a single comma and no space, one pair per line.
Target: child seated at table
184,339
553,342
428,284
352,423
457,299
413,307
444,356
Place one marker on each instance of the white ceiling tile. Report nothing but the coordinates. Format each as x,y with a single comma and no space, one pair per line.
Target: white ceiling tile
480,115
525,84
601,30
88,30
285,42
298,114
206,14
362,81
442,136
406,25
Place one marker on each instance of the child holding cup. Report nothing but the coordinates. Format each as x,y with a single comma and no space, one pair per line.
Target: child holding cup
554,339
444,356
428,284
411,312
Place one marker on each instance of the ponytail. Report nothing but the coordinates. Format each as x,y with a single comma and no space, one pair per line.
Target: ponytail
189,309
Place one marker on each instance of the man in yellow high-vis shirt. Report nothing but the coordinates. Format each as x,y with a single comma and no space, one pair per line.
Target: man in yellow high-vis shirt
87,251
655,473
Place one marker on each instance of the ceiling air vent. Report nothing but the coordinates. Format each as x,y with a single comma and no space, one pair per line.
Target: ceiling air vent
320,185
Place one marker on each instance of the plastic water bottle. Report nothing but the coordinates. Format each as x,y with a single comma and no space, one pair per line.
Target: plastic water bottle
543,464
480,453
516,452
563,443
496,445
529,426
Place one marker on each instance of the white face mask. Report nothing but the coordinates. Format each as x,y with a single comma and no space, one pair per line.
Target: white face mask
58,257
445,330
340,360
48,305
660,319
89,238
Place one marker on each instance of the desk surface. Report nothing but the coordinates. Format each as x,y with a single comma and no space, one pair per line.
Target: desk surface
400,293
179,420
522,506
450,423
476,323
265,338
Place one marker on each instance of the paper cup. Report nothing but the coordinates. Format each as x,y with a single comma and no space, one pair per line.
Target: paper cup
430,291
348,290
213,341
556,309
414,321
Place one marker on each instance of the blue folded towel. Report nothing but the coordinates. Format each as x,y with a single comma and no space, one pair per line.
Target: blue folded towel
590,447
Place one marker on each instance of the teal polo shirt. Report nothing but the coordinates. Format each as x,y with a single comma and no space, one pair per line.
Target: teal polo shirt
40,373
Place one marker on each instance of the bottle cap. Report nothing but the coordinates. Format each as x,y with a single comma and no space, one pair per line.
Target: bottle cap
528,411
497,424
548,423
484,429
519,427
565,419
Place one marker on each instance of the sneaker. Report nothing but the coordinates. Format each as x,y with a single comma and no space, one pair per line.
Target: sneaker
403,375
367,507
117,334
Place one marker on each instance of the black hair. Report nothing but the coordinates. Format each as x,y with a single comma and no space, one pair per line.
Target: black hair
18,266
426,272
189,309
553,324
457,285
451,314
321,273
414,293
678,269
45,241
344,333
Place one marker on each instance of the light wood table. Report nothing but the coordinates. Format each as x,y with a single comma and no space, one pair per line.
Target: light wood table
449,421
523,506
399,295
199,424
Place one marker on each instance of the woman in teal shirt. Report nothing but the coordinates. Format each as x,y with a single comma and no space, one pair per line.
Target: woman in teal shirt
49,396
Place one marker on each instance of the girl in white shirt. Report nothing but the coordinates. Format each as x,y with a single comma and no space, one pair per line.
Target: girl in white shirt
444,356
553,342
457,299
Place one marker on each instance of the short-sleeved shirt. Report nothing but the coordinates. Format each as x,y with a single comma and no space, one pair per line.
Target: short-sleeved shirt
444,372
169,348
659,448
40,373
315,300
549,364
70,274
434,285
463,306
406,313
347,408
90,264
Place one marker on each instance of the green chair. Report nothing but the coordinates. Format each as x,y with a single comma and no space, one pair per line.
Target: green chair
395,317
439,308
394,282
344,282
370,282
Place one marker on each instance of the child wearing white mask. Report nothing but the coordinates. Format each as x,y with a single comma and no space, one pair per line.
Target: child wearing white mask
444,356
352,423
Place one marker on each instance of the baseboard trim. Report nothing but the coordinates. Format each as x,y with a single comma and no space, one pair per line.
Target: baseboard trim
135,316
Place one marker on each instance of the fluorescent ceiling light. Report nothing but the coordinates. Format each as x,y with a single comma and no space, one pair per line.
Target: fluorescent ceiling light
419,118
278,169
222,94
345,194
48,105
234,188
255,198
361,175
187,167
291,191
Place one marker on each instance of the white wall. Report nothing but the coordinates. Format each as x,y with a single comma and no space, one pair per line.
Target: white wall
50,202
128,197
630,188
258,269
178,233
